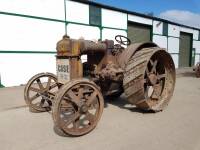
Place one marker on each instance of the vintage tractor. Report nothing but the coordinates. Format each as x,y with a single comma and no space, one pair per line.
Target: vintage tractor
143,71
196,69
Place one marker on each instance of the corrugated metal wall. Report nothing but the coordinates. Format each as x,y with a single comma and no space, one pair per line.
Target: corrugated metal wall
138,33
185,49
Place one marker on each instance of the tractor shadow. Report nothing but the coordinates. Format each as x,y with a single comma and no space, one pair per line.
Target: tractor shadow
122,103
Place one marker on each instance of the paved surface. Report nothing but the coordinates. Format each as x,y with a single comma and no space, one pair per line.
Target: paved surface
122,127
187,71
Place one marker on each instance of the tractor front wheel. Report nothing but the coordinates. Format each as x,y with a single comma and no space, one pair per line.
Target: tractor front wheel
40,91
78,107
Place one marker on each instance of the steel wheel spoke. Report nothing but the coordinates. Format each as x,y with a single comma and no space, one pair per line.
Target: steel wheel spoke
34,97
146,92
80,93
71,120
53,86
157,91
40,84
42,102
74,98
35,89
147,70
48,83
151,62
153,70
92,98
161,76
76,124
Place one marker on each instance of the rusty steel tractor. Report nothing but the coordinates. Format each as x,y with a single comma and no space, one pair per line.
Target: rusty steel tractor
196,69
143,71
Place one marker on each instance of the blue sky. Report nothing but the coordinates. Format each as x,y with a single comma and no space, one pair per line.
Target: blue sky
181,11
156,6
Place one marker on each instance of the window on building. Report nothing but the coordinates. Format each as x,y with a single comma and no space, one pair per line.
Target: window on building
95,16
165,29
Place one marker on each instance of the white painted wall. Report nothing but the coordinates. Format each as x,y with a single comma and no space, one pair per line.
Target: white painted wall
175,59
196,45
173,30
173,45
43,8
157,27
26,34
114,19
16,69
77,12
187,30
196,35
161,41
138,19
197,59
111,33
81,31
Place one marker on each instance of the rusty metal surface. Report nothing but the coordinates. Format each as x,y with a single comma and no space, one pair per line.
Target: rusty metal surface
77,103
149,79
130,51
197,70
78,107
111,78
64,46
90,46
40,92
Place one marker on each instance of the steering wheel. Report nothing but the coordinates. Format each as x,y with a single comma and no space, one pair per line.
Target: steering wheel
123,40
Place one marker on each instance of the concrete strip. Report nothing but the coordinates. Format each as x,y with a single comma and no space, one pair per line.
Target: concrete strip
122,126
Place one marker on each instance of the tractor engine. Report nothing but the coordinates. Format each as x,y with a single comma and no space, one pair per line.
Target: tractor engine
101,66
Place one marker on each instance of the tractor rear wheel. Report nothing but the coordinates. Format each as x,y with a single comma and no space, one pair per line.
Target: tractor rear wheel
149,79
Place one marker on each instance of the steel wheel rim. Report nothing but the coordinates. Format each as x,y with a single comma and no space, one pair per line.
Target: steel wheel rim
36,92
159,74
77,118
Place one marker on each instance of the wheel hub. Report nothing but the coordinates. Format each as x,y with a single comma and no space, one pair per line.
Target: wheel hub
84,108
45,95
153,79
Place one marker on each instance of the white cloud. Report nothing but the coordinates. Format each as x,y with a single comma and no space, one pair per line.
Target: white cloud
183,17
